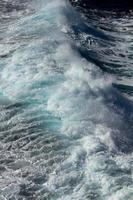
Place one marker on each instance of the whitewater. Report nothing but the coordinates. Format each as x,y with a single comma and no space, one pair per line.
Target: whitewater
66,102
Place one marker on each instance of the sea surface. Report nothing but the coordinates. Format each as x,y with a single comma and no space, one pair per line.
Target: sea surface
66,102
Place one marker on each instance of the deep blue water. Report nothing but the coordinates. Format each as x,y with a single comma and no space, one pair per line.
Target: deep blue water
66,102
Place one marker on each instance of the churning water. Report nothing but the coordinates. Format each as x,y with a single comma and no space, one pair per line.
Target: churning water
66,102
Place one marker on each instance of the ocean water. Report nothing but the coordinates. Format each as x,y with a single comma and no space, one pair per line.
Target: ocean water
66,102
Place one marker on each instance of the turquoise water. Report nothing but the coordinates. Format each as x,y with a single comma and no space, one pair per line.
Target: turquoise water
66,92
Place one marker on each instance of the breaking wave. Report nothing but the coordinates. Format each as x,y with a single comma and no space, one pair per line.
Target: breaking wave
66,110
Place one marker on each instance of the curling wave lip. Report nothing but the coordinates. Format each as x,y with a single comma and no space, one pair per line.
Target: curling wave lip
120,5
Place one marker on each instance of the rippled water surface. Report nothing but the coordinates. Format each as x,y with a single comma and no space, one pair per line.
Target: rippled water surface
66,102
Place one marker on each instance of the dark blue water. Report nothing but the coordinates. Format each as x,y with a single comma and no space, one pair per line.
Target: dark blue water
66,102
